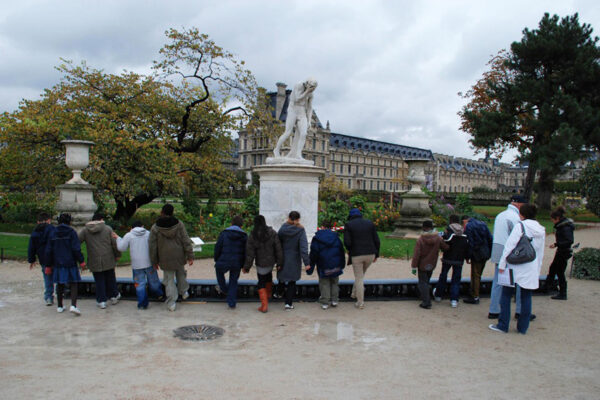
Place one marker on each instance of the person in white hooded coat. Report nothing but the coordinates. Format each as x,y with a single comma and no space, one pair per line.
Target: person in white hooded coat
144,274
527,275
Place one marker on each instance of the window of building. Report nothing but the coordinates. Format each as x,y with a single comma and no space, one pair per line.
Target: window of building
349,183
245,144
253,159
333,168
384,185
377,173
349,168
378,185
371,184
314,144
244,160
323,145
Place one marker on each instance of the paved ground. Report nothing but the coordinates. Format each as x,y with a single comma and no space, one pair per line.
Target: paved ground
389,350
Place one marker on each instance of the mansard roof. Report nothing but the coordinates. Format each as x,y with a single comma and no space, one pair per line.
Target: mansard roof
339,140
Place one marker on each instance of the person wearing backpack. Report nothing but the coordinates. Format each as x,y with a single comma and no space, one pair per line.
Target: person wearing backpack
526,274
480,249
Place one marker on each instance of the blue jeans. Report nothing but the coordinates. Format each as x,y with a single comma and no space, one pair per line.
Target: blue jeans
48,286
504,318
146,278
106,285
497,293
440,288
231,289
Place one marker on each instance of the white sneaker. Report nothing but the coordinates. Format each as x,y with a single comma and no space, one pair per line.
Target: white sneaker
453,303
289,307
60,309
75,311
115,300
324,306
101,305
172,307
358,305
185,296
436,298
334,304
495,328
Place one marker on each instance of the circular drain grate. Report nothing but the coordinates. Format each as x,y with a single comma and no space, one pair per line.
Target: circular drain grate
198,332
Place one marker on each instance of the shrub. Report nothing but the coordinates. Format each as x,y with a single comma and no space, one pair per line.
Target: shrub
590,186
359,202
463,204
587,264
336,212
24,207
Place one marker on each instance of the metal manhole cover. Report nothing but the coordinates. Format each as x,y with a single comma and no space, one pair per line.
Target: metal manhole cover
198,332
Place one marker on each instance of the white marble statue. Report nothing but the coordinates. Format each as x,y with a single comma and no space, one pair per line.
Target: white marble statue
299,113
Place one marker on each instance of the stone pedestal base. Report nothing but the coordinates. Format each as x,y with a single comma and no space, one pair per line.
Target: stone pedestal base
285,188
77,200
415,210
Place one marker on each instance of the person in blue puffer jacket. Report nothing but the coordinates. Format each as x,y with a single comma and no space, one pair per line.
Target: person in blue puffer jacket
327,254
230,254
37,250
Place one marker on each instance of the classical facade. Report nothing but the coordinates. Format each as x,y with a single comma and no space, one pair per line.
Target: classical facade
366,164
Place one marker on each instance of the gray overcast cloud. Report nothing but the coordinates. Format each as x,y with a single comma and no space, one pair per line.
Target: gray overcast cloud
387,70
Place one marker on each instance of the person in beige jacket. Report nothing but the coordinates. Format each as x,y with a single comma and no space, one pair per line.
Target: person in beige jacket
170,248
102,256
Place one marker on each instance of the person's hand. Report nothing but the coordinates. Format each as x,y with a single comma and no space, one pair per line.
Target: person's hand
48,270
279,268
414,271
553,245
82,265
306,268
500,271
375,260
155,266
467,261
244,270
114,235
31,265
190,262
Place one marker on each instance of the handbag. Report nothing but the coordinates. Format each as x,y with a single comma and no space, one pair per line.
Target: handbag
523,251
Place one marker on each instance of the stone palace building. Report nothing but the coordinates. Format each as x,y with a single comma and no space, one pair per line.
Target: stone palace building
366,164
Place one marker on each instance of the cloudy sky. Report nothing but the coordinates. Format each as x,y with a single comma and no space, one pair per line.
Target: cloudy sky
387,70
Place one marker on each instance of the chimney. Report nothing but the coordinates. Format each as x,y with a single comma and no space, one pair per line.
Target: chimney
280,100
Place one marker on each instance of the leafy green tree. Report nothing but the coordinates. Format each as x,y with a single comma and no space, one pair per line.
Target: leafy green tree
542,98
590,186
153,134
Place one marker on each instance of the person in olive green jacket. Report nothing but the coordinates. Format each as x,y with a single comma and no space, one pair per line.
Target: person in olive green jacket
102,254
170,248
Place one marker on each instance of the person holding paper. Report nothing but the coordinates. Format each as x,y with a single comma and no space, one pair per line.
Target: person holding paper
526,275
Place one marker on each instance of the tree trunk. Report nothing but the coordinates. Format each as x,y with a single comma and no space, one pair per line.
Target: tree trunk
530,180
127,208
546,186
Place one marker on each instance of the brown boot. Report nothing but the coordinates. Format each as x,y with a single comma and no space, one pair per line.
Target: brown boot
269,287
264,300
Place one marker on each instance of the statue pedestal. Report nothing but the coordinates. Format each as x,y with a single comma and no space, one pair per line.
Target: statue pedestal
290,187
77,200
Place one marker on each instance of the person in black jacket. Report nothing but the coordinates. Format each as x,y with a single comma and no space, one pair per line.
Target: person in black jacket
564,228
37,249
362,243
230,254
452,258
480,249
263,248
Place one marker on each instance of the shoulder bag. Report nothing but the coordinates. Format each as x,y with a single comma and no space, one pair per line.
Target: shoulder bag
523,251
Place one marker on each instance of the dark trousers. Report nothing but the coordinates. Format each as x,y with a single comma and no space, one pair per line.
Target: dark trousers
424,278
476,271
264,279
290,291
231,288
60,293
524,316
440,288
558,267
106,285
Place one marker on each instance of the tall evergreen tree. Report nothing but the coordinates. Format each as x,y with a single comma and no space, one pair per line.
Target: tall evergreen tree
543,100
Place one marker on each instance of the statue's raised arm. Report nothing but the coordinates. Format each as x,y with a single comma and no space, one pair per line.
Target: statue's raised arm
299,115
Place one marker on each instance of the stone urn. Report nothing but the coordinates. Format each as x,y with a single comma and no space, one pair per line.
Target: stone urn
77,158
415,204
77,195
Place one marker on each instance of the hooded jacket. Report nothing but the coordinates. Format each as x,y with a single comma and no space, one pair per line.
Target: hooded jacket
102,252
37,244
230,250
526,275
427,250
63,249
459,246
503,226
360,235
137,241
295,251
327,254
564,235
265,254
480,240
169,244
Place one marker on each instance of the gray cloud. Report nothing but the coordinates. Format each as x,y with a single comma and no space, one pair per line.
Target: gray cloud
386,70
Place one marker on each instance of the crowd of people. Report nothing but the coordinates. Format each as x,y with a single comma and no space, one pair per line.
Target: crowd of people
516,248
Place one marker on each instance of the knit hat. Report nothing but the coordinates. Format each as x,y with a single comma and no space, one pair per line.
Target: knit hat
457,228
355,212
